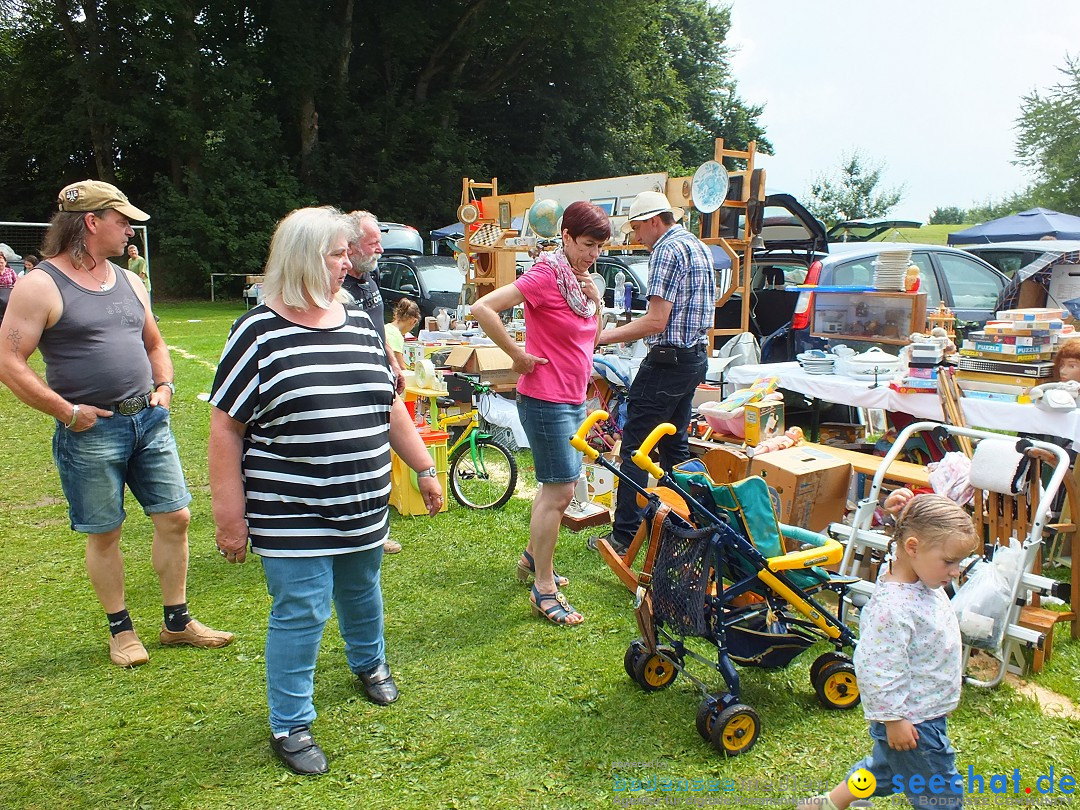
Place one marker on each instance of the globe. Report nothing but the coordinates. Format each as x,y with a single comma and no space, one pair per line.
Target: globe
544,218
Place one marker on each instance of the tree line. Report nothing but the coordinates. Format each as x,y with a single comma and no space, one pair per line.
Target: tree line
219,116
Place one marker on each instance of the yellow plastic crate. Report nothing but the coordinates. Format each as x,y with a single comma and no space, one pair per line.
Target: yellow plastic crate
404,495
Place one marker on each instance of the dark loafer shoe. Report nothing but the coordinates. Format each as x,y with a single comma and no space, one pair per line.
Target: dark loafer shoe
379,685
300,753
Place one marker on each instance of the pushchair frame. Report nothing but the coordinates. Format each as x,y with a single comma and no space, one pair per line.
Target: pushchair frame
730,725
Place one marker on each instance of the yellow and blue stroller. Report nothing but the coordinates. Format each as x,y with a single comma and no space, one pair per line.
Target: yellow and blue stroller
717,569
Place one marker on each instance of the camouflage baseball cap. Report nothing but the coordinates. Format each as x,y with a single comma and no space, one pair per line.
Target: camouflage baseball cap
95,195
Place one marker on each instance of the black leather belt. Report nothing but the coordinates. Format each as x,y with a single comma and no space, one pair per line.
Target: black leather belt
132,405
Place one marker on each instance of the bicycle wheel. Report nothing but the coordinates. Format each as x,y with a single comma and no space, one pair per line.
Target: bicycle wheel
485,480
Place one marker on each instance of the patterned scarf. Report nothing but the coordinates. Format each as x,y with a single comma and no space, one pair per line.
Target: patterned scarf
569,286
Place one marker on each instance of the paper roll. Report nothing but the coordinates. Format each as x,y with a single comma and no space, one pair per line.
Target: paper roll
425,373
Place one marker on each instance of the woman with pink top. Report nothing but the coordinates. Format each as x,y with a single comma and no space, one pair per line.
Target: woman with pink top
562,306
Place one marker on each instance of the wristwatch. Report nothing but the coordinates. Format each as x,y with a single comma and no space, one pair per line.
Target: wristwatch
430,472
167,384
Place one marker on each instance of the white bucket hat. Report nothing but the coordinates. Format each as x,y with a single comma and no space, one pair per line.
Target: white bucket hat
647,205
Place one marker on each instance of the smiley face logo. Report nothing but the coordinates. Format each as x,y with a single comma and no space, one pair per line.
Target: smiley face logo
862,783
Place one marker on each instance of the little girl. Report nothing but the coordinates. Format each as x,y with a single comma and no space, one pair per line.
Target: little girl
908,659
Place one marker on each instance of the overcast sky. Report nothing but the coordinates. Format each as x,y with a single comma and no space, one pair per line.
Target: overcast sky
931,90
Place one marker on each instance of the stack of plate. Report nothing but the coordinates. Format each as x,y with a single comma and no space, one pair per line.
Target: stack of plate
816,361
890,269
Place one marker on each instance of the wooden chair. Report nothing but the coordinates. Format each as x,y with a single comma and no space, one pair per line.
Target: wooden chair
999,517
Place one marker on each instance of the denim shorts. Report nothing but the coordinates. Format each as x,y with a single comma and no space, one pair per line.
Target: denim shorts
549,426
94,465
933,755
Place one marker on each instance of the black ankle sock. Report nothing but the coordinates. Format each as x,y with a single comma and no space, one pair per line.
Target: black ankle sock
176,617
119,622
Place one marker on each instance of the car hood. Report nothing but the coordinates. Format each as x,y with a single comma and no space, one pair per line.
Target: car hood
787,225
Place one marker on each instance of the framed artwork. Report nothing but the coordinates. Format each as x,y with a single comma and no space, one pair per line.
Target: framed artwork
606,203
505,220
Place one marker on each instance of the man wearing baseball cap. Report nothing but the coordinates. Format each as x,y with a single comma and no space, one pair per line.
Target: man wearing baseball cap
681,293
108,383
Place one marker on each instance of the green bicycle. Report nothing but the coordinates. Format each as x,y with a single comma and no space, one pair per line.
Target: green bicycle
482,471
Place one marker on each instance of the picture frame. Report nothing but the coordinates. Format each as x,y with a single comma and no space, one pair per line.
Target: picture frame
607,204
624,206
505,218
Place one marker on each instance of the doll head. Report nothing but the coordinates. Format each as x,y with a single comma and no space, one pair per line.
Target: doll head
1067,361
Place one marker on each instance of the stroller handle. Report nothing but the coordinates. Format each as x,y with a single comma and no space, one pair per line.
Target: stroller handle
578,439
641,455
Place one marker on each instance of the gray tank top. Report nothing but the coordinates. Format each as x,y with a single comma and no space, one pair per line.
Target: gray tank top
95,352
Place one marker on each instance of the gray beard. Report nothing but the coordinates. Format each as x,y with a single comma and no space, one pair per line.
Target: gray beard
365,266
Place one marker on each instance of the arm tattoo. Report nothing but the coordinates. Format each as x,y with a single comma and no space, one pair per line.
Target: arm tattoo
15,339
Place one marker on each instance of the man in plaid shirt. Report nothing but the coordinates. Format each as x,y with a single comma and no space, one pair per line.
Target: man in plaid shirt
682,297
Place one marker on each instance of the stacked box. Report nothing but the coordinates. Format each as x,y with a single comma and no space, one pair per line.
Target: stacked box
1018,335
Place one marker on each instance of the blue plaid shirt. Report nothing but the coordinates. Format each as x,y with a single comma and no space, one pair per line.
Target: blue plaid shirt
681,271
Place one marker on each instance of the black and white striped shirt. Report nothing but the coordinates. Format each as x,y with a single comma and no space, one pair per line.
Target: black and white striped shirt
316,457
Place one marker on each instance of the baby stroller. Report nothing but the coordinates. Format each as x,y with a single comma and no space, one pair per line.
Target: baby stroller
717,569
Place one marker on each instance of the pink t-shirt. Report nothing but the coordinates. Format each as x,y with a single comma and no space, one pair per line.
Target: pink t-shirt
558,334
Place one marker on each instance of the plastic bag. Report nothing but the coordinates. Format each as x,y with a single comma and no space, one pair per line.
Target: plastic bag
982,603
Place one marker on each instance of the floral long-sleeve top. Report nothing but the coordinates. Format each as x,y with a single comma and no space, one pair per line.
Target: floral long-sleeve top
908,659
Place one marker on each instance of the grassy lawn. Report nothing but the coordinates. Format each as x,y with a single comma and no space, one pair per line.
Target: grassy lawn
498,708
926,235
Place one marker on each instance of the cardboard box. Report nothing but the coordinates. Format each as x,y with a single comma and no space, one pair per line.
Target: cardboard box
763,420
601,482
812,485
490,363
707,393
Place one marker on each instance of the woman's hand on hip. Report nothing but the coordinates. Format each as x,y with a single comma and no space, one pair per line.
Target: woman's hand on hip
527,362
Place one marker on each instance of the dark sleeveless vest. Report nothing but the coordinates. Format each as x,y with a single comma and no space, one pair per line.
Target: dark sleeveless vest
95,352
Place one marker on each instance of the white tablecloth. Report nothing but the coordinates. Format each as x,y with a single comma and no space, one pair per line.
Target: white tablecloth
982,413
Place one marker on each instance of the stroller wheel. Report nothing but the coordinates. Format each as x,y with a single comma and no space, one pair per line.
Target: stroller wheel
707,713
822,661
735,730
653,671
837,687
633,652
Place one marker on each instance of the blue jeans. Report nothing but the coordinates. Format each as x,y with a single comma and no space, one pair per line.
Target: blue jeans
658,394
549,426
933,755
302,589
138,451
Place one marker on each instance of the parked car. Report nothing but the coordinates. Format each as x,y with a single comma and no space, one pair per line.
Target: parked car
398,238
433,282
866,230
791,240
966,284
1008,257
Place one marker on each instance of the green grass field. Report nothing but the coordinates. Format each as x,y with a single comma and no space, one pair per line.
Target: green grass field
498,709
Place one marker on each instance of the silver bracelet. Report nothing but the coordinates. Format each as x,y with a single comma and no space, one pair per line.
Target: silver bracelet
74,417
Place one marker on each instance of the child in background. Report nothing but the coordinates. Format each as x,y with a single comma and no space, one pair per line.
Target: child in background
908,659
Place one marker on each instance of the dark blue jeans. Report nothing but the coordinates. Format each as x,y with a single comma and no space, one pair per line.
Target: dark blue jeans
658,394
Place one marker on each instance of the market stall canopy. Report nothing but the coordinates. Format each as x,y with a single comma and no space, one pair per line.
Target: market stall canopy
1033,224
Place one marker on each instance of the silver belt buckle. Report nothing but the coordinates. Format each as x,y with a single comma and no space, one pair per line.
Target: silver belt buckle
132,405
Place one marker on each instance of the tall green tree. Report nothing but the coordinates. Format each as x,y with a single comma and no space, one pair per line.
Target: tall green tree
853,193
219,116
1049,141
